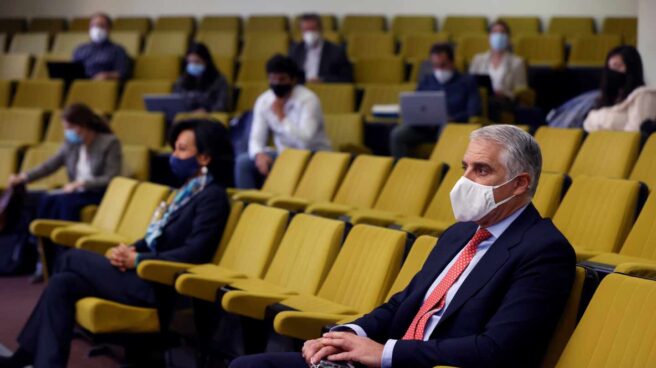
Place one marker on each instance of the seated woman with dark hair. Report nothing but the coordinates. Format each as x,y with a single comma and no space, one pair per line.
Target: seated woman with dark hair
188,230
204,87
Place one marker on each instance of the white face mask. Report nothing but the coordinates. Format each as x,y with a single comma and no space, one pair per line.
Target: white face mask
472,201
311,38
443,75
97,34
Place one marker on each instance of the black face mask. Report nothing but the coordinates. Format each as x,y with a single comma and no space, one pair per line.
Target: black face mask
281,90
615,80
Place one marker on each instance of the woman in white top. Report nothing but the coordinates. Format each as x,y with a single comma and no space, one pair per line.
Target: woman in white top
506,70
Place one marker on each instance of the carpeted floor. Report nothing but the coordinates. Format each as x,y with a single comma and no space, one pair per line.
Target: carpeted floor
17,298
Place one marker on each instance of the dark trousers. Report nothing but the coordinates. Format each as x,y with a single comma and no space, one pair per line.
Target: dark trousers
49,330
66,206
270,360
404,138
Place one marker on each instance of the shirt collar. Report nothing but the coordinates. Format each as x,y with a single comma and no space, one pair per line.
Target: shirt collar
500,227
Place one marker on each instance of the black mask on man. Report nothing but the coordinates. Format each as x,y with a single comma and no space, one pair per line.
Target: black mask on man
281,90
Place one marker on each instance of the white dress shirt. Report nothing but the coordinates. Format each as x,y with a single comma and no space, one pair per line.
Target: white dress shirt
83,168
312,60
496,230
302,127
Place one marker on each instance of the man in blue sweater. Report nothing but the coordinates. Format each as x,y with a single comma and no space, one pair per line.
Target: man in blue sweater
462,99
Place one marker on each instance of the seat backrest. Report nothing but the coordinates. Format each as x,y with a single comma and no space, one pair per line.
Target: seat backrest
251,71
13,25
166,43
336,98
541,50
641,241
365,267
14,66
8,164
409,187
345,131
415,47
286,172
129,40
5,92
221,23
459,25
133,94
452,144
139,128
158,67
567,322
114,203
55,130
30,43
470,45
413,263
384,70
49,25
306,252
79,24
522,25
146,198
328,22
21,125
136,162
548,193
322,176
40,94
266,23
249,92
597,213
363,181
185,24
559,147
403,25
362,24
607,153
98,95
591,50
220,43
67,42
439,208
381,94
263,45
37,155
617,328
255,240
40,69
370,45
626,27
645,168
236,209
139,24
572,26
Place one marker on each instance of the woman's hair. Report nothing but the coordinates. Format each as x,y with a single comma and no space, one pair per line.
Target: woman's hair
212,139
81,115
502,23
610,94
210,74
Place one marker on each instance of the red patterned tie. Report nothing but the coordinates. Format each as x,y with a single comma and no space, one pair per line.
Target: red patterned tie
435,300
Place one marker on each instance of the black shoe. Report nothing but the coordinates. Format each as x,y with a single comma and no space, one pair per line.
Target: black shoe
20,359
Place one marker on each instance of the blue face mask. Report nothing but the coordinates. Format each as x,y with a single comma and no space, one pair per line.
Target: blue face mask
184,169
499,41
72,137
195,69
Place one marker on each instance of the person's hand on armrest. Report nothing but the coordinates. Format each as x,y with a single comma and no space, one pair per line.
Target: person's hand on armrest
122,257
263,163
17,179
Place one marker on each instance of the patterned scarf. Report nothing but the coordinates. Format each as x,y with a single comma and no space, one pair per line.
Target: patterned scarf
164,211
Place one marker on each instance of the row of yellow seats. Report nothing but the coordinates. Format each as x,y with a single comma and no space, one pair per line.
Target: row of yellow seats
401,24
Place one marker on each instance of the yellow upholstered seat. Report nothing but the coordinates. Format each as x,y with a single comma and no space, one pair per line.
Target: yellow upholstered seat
220,43
66,42
158,67
360,187
406,192
452,144
381,94
14,66
20,127
381,70
319,182
40,69
542,50
627,27
283,178
591,50
362,24
248,94
370,45
607,153
129,40
346,132
264,45
645,168
8,164
34,157
357,282
166,43
139,128
186,24
549,193
251,72
597,213
247,254
266,24
47,24
470,45
133,94
404,25
570,27
11,25
220,23
457,26
336,98
559,147
98,95
79,24
5,92
39,94
415,47
100,316
136,162
138,24
617,327
36,43
522,25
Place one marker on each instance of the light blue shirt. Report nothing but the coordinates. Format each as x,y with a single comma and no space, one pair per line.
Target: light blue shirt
496,230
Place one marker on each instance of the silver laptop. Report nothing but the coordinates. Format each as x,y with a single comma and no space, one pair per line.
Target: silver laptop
169,104
424,108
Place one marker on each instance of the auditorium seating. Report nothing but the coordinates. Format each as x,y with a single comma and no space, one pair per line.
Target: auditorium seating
98,95
452,144
14,66
559,147
8,160
30,43
39,94
135,90
139,128
20,127
607,153
47,24
66,42
166,43
405,25
5,93
142,25
346,132
645,167
362,24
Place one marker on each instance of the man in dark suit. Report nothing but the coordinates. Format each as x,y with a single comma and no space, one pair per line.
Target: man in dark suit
488,295
320,60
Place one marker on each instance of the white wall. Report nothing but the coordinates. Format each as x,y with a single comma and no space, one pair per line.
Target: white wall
492,8
647,38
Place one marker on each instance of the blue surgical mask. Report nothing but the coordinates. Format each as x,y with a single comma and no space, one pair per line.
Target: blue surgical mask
72,137
184,169
195,69
499,41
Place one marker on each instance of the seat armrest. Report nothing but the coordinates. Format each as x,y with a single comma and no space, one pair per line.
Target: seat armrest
304,325
201,286
163,272
646,271
99,243
252,196
328,209
43,227
250,304
289,203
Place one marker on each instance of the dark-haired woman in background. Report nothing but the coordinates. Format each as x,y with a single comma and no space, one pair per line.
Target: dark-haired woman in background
187,230
202,84
625,103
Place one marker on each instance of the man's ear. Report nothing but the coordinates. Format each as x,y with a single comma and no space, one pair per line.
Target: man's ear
522,184
203,159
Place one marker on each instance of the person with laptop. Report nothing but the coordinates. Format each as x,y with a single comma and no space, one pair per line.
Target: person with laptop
506,70
102,59
291,113
462,101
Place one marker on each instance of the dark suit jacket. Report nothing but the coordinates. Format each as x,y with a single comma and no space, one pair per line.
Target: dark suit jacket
502,315
193,232
334,66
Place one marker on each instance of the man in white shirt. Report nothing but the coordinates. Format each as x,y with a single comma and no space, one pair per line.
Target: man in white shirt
490,292
291,112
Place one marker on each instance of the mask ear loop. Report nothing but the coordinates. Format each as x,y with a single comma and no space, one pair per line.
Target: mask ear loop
203,180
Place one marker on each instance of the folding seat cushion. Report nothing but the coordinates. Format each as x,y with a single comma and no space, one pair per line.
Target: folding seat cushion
415,47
